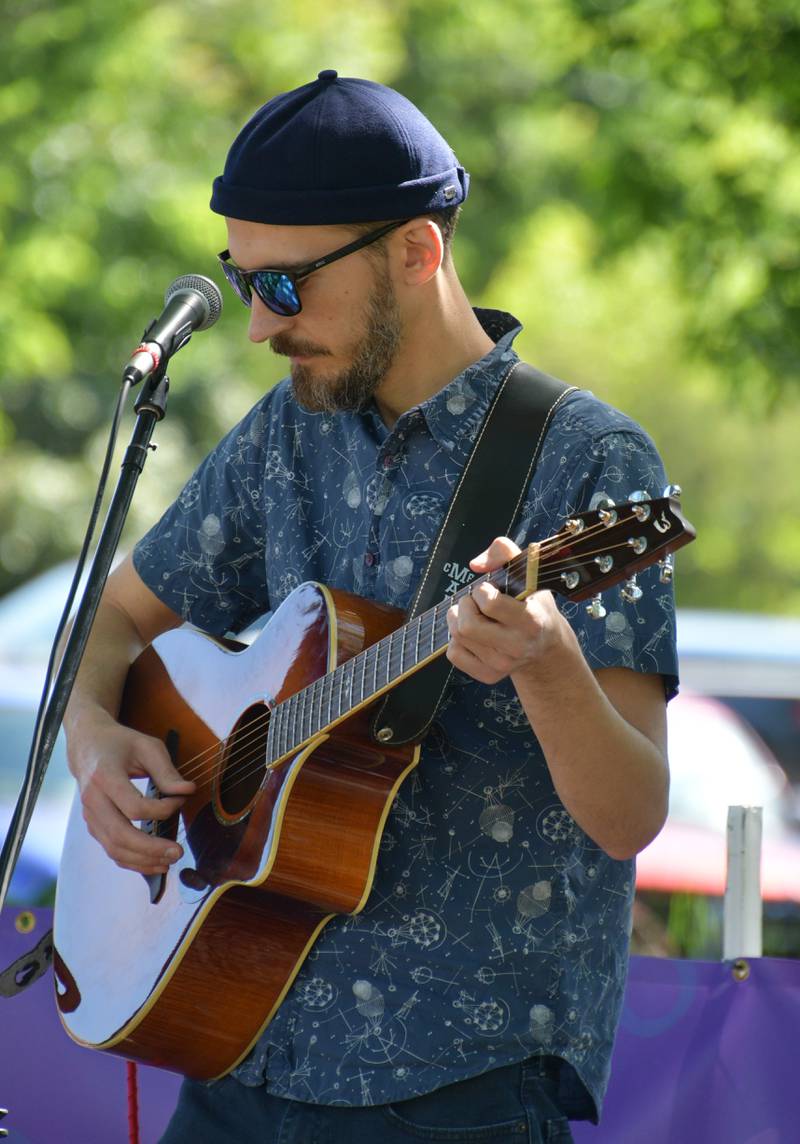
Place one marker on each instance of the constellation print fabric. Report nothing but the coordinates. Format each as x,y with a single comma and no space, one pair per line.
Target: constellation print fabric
496,928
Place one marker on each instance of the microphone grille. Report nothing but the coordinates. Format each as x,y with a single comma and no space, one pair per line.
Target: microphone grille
208,291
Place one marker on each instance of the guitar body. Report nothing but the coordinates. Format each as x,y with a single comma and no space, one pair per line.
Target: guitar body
184,972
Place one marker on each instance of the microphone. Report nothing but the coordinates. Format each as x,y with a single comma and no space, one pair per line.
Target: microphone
190,303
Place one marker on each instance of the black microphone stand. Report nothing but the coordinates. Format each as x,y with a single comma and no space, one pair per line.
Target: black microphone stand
151,408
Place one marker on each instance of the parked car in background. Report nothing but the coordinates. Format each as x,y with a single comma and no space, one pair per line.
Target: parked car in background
28,620
752,664
734,739
716,761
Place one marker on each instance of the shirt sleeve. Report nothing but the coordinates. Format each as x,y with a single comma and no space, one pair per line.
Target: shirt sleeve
205,558
613,463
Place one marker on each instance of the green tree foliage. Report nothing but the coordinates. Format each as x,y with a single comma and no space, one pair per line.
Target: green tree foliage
636,192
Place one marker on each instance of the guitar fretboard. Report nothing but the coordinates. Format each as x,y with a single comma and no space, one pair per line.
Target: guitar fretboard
593,550
360,680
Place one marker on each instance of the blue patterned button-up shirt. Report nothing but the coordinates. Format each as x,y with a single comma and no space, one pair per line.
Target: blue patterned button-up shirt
496,928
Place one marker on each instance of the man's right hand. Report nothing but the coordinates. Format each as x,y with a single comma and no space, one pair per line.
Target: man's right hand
104,757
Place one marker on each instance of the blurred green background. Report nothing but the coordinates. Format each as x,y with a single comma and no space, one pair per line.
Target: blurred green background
635,201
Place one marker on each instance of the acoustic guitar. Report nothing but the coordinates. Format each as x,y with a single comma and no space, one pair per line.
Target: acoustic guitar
184,971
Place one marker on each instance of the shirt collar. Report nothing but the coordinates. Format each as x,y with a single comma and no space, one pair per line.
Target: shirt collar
454,414
456,411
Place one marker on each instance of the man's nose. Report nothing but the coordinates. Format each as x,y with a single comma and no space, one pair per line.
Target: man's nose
264,324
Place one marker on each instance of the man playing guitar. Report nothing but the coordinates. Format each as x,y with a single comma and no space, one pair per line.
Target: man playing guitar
476,993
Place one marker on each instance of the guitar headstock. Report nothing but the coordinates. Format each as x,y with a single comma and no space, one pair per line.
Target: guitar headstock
597,549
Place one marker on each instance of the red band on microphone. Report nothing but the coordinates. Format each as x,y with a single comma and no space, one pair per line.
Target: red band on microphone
145,349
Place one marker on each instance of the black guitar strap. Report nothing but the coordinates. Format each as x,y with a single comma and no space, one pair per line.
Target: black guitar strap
489,493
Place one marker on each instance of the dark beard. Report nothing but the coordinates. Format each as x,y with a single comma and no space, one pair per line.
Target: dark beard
374,354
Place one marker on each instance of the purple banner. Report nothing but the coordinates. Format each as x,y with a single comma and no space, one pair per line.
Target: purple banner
57,1092
701,1058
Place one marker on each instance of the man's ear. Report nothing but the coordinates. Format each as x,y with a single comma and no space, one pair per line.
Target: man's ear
423,251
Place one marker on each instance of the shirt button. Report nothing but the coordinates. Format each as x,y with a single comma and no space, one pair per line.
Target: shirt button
370,559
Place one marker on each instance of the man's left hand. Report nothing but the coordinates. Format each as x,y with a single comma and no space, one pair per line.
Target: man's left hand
492,635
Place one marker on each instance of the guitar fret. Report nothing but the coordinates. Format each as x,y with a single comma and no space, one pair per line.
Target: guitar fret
313,716
403,634
328,686
272,731
344,702
298,720
296,730
440,629
354,683
313,697
391,673
432,619
339,684
290,720
313,709
387,666
386,669
283,742
432,637
319,704
322,710
302,699
397,661
363,658
305,720
348,685
419,653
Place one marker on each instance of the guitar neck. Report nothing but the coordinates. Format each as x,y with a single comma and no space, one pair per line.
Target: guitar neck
380,667
593,550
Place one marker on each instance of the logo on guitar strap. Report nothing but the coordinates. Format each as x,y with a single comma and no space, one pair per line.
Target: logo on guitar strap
458,577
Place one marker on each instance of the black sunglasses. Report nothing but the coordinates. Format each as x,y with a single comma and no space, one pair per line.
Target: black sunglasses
277,289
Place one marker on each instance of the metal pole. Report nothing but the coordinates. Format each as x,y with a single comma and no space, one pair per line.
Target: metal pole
742,921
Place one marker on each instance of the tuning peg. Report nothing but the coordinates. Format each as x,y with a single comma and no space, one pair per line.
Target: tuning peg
595,609
641,510
607,511
631,592
672,491
666,569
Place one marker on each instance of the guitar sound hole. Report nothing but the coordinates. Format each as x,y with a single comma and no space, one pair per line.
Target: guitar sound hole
245,760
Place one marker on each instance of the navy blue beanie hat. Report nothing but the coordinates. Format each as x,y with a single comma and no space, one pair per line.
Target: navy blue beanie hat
338,151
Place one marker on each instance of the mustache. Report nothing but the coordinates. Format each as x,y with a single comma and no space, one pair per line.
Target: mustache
286,346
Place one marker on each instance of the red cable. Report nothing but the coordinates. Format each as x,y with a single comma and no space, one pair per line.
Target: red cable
133,1104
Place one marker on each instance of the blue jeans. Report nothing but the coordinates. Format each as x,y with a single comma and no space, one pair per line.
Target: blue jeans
514,1104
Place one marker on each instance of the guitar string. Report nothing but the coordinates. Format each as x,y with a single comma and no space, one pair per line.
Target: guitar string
254,737
516,564
198,761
